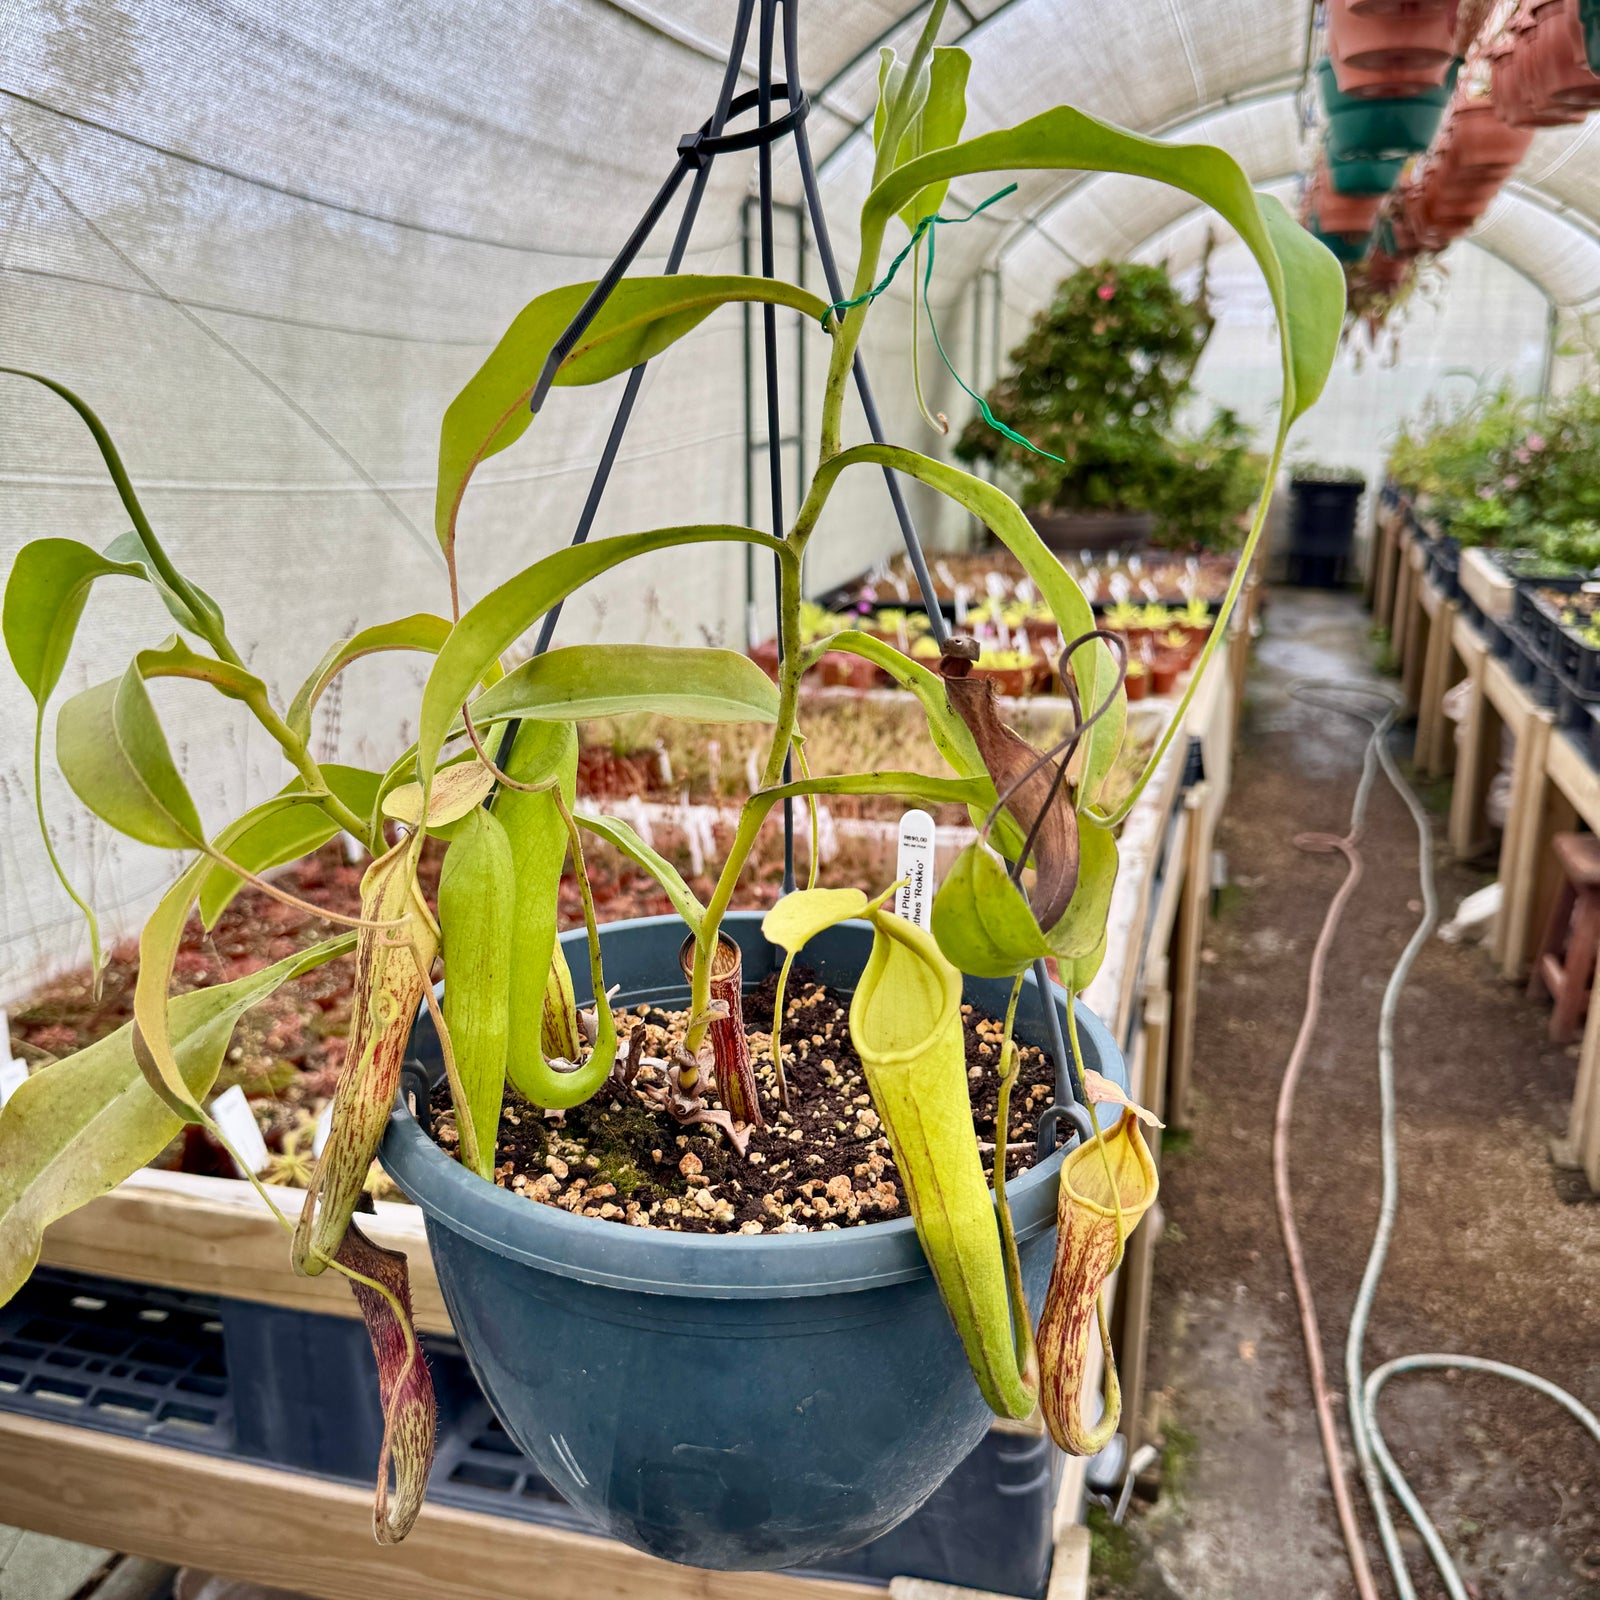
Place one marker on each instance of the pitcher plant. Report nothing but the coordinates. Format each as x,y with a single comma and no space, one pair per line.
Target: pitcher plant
492,773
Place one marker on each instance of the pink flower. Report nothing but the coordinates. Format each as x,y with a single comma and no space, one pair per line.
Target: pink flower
1510,481
1534,441
1106,290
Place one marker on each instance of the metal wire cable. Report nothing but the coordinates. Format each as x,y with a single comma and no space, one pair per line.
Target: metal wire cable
1377,1463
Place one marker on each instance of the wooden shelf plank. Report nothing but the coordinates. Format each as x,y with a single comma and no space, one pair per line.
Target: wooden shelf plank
311,1536
215,1236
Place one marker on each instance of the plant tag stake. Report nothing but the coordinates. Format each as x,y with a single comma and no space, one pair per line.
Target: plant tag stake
237,1121
5,1037
319,1134
915,863
12,1077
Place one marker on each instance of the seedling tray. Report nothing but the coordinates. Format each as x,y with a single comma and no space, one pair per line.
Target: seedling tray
1531,667
298,1390
1535,618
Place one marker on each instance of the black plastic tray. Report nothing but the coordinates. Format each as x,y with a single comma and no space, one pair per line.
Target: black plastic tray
298,1390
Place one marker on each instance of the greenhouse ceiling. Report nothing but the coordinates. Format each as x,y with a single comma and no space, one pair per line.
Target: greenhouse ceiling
482,122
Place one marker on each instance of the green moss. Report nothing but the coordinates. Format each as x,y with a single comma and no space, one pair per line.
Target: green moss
1112,1556
1178,1446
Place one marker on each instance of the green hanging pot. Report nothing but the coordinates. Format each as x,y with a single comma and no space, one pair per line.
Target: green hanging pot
1589,22
1344,246
1364,176
1380,130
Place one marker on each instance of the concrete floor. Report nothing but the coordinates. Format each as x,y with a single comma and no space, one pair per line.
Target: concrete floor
1486,1258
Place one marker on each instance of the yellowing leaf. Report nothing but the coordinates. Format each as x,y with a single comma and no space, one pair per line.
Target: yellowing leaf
456,791
801,915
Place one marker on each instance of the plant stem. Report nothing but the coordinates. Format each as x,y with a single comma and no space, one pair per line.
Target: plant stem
846,335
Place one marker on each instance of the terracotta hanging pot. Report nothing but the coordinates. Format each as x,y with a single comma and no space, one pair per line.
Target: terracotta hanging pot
1517,80
1481,141
1385,271
1404,8
1347,213
1388,83
1397,41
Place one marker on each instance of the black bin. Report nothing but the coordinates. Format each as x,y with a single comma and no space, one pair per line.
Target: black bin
1323,532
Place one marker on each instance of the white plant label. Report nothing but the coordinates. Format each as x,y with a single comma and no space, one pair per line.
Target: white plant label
238,1123
915,863
5,1037
12,1077
319,1134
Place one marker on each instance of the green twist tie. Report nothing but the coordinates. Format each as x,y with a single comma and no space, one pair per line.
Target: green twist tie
926,228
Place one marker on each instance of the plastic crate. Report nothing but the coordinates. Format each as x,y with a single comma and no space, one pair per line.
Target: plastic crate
1531,668
298,1390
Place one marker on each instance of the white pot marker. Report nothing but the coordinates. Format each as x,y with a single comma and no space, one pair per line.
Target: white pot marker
233,1115
915,863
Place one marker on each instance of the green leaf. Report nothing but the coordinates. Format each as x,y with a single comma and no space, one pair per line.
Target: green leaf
803,913
949,733
203,618
175,659
1093,665
980,919
1083,924
612,680
111,750
159,940
504,614
422,631
286,834
80,1126
621,837
891,80
45,596
193,607
642,317
936,125
1305,282
932,791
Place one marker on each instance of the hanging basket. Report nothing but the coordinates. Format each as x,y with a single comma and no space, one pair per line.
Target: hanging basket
743,1403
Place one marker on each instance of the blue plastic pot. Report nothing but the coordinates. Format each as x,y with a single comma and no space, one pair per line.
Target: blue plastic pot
722,1401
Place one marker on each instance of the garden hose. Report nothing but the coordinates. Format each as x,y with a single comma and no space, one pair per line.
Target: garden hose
1378,1465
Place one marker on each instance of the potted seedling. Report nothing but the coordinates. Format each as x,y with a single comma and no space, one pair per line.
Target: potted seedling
720,1393
1124,617
1138,678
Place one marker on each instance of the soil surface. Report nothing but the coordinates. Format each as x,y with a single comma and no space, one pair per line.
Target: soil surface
823,1163
1486,1259
287,1051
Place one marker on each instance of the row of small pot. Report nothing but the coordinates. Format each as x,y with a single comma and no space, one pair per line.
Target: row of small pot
1380,85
